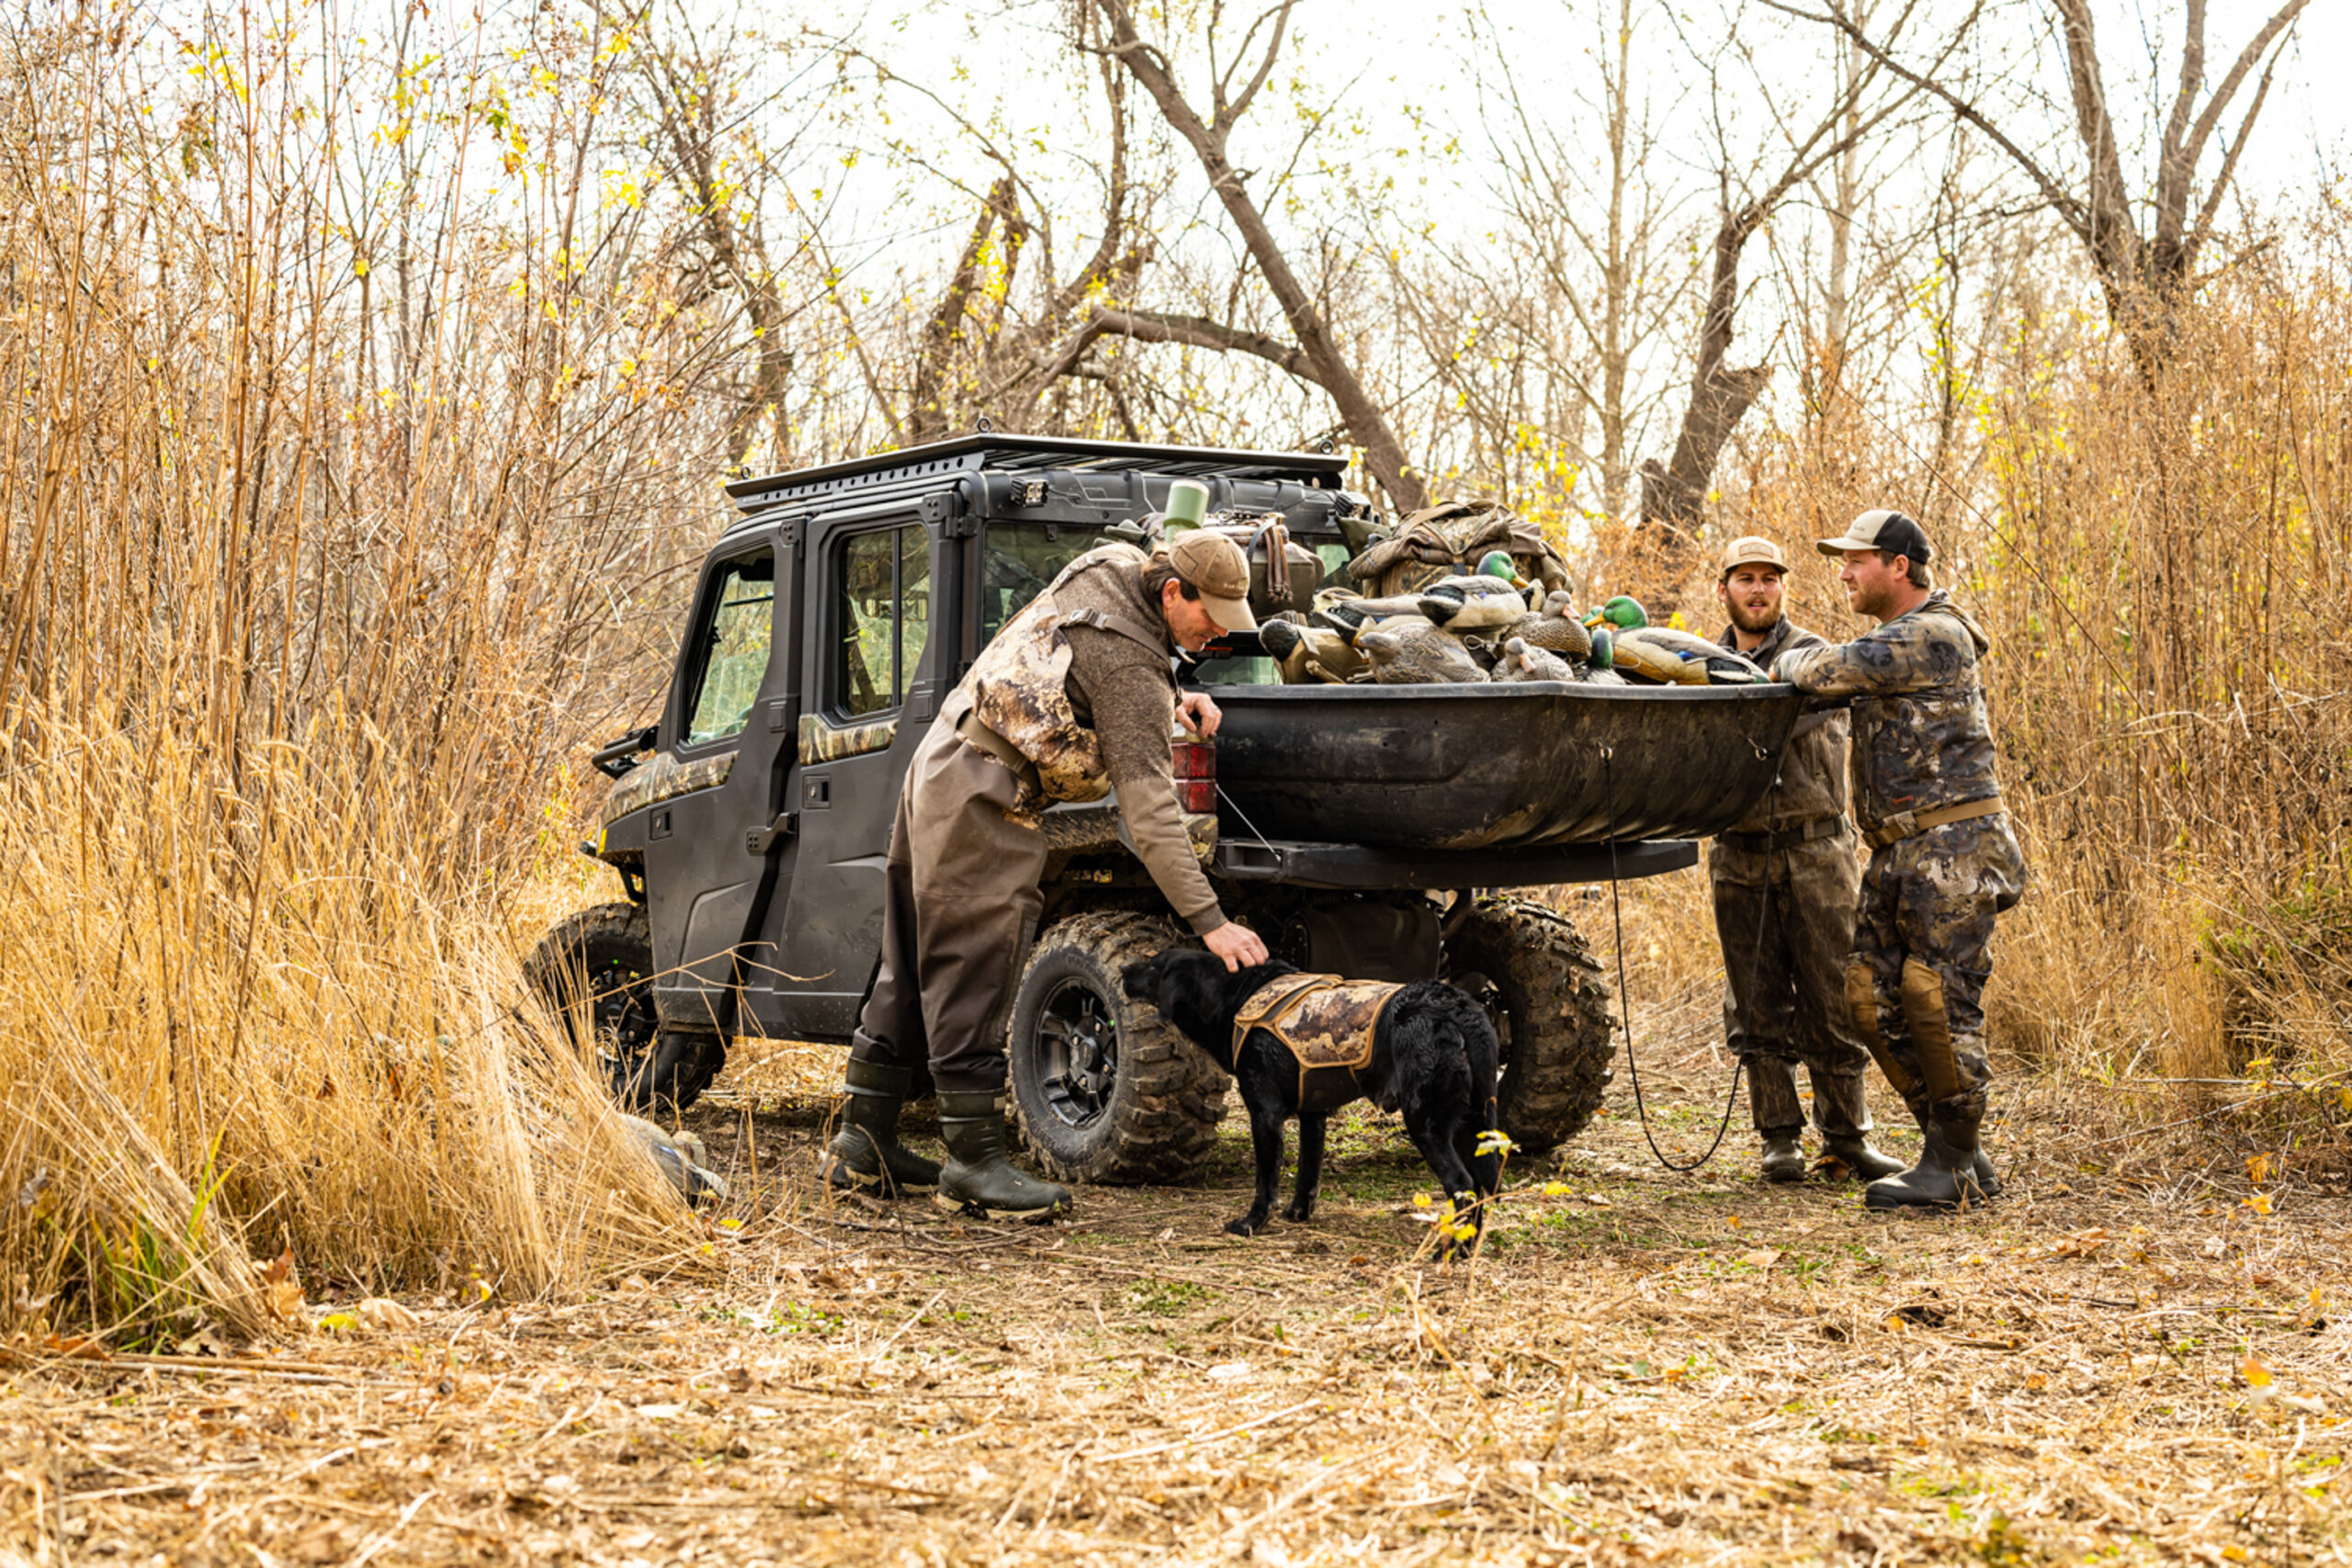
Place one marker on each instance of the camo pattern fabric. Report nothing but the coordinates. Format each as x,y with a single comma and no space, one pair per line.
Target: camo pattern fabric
822,742
1921,738
1448,539
1930,899
1093,826
1020,689
1327,1022
662,778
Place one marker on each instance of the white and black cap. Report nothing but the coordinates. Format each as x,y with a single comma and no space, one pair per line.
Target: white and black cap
1882,530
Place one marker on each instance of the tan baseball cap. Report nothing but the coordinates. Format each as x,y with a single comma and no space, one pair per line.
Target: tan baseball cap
1753,549
1215,565
1882,530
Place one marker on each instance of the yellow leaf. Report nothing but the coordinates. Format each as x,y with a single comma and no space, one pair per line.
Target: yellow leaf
2256,1374
1556,1190
1421,1200
2259,1203
2257,1169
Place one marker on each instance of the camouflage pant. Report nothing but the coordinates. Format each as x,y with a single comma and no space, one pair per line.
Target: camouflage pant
1786,921
1923,949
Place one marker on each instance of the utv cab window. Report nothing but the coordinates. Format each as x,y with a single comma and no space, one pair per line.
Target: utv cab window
733,641
886,618
1018,561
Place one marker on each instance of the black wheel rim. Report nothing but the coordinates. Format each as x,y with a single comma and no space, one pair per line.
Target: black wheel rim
1078,1054
625,1024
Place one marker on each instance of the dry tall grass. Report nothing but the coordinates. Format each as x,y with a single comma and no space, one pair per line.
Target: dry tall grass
2163,572
320,512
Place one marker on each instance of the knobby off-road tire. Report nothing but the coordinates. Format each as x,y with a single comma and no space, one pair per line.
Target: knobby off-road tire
595,971
1551,1010
1103,1091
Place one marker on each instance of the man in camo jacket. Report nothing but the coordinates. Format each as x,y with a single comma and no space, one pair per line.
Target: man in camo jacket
1944,860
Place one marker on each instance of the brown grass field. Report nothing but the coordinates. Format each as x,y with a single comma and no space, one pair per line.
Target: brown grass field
2130,1360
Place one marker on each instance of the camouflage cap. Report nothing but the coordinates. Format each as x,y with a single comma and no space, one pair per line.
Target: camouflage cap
1882,530
1215,566
1753,549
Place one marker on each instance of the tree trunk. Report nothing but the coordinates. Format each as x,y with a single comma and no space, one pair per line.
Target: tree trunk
1367,424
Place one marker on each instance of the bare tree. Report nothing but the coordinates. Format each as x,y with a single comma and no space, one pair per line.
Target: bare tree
708,132
1674,492
2144,273
982,349
1313,353
1606,251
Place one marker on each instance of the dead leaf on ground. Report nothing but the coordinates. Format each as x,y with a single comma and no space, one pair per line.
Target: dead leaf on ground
2081,1244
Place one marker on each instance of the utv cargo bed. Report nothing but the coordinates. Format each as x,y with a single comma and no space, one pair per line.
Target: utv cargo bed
1470,767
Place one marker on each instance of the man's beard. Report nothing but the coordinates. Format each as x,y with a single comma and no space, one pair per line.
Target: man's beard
1753,621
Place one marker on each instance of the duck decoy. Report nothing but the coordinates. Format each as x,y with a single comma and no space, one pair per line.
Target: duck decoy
1472,602
1554,628
1522,662
1405,653
1309,655
1623,612
1697,661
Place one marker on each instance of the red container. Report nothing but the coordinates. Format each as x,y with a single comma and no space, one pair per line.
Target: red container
1194,764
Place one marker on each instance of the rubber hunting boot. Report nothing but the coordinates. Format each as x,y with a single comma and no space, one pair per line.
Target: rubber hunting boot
1930,1138
865,1154
1783,1155
1945,1176
1843,1115
978,1180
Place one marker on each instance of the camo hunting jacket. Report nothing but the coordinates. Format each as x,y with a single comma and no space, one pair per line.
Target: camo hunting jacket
1813,768
1921,738
1019,688
1327,1022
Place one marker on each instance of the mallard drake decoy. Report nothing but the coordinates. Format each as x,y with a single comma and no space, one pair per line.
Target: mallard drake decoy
1309,654
1498,564
1405,653
1623,612
1697,661
1554,628
1472,602
1522,662
1352,614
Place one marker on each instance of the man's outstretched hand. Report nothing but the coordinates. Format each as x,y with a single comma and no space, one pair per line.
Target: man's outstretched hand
1237,944
1199,715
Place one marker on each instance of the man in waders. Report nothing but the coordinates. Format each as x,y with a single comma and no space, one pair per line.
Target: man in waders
1074,696
1786,879
1944,860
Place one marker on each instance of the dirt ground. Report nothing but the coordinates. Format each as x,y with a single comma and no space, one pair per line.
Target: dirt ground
2131,1359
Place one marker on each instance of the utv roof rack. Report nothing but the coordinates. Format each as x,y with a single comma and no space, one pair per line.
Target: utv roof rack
1000,452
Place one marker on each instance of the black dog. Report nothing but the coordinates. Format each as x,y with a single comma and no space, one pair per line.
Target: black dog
1433,1057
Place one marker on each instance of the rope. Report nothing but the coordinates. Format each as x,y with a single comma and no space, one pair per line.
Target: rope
1624,1000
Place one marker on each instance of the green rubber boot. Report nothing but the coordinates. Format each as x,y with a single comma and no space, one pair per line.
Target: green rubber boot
978,1180
865,1154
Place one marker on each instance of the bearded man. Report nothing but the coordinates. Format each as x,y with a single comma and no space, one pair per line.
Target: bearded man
1786,879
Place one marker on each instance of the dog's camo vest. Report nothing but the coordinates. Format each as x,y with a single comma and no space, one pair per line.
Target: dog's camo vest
1326,1022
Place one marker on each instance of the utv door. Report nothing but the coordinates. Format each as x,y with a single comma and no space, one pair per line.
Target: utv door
713,852
879,652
